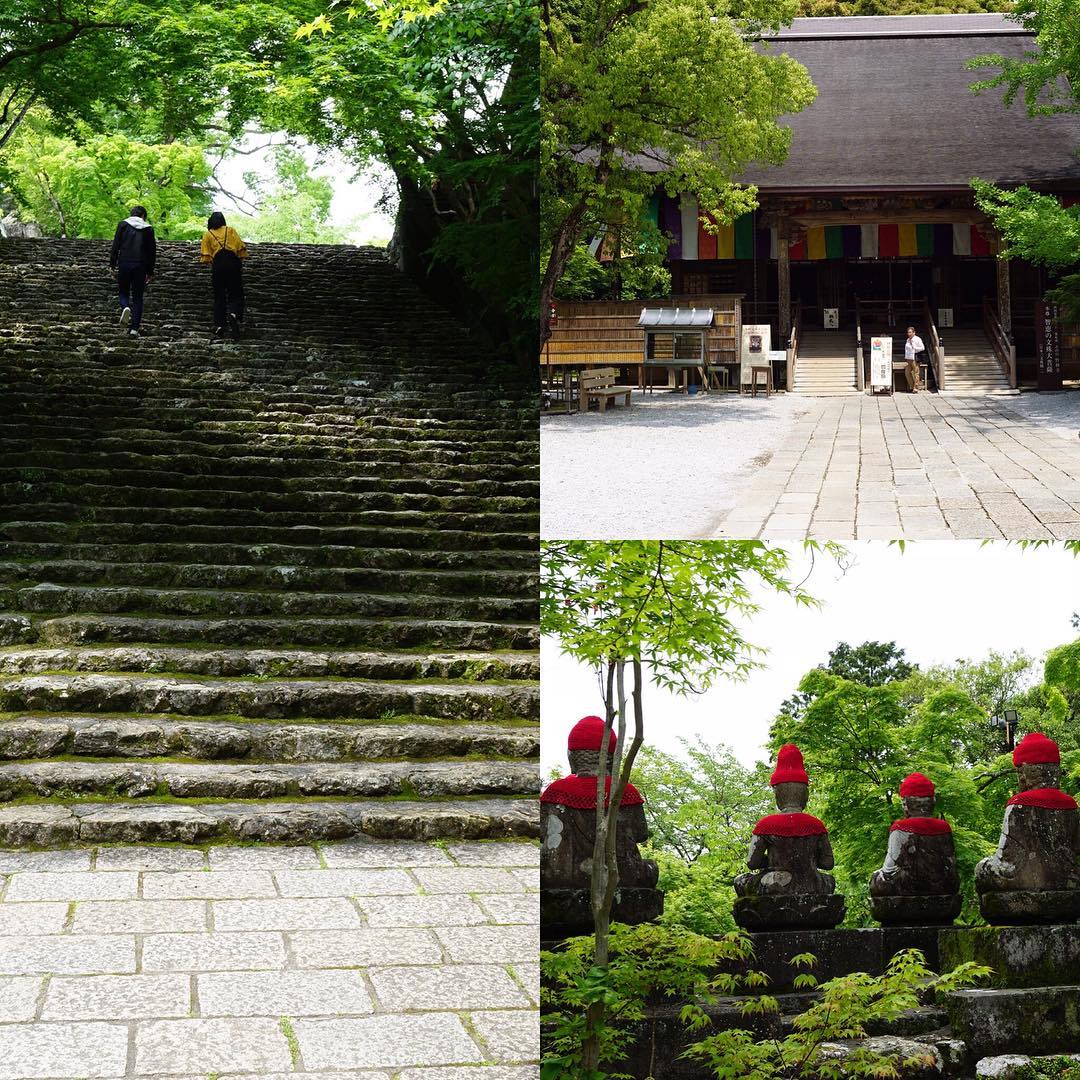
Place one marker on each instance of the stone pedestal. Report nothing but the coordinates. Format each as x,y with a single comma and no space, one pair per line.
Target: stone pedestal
916,910
1022,907
779,912
567,912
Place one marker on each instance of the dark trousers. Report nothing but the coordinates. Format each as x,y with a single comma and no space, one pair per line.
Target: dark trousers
227,276
131,280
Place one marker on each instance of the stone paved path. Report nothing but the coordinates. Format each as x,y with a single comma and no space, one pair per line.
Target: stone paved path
923,467
359,959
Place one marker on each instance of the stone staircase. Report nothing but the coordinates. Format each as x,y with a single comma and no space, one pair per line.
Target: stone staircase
278,589
971,368
826,365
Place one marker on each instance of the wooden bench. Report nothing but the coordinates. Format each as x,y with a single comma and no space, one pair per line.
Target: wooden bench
599,383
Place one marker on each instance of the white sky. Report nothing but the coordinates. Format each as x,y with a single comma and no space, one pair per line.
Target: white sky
355,197
939,601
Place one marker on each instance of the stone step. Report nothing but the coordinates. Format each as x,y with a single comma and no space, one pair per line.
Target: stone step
461,582
58,825
50,599
418,538
347,632
292,572
1034,1020
28,737
240,555
267,698
514,514
356,780
280,663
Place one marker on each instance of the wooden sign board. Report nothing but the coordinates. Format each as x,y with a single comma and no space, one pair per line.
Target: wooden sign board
756,346
832,318
1048,346
881,377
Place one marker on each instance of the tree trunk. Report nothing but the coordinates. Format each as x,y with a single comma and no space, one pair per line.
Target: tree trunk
604,878
562,247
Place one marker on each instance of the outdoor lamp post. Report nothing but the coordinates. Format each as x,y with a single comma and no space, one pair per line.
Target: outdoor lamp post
1007,722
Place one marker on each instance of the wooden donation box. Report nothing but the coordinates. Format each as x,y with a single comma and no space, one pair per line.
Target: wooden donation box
675,337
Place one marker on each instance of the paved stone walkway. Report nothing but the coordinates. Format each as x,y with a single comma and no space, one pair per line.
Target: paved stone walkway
359,959
914,467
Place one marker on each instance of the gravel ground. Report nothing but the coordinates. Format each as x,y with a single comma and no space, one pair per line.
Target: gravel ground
640,472
1060,412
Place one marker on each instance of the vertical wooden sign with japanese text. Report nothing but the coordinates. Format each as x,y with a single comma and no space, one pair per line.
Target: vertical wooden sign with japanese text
1048,345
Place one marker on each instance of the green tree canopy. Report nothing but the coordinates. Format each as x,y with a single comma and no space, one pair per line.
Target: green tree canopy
678,85
1034,226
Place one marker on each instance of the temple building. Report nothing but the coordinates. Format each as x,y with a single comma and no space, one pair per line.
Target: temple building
871,223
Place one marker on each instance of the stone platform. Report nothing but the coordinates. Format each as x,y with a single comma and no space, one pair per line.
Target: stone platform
838,951
566,912
1021,956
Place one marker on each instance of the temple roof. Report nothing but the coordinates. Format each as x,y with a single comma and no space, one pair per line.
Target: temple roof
895,111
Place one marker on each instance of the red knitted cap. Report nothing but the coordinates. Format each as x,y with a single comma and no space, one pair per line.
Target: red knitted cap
587,733
789,767
1036,749
918,785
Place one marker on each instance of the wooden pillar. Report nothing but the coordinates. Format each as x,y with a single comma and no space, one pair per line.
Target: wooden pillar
783,292
1004,295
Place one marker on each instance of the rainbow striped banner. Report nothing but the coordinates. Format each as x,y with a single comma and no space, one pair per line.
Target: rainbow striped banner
691,241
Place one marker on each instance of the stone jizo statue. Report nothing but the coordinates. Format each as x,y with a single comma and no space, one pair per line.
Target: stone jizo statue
568,831
789,884
918,885
1034,877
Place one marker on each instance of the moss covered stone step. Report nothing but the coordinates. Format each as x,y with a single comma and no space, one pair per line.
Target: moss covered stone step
276,555
344,632
292,663
214,739
1035,1020
461,582
135,780
48,598
56,825
419,538
86,485
267,698
495,516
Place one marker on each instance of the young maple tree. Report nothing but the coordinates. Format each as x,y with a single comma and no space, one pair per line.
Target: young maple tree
670,611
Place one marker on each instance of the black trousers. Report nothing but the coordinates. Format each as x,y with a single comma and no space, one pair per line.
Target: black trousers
227,276
131,283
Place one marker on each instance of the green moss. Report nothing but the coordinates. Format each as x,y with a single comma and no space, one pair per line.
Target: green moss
1057,1068
291,1039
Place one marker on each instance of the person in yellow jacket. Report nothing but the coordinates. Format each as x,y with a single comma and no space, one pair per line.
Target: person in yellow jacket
223,249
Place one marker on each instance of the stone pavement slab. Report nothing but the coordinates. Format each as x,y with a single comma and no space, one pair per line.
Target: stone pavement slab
858,468
362,960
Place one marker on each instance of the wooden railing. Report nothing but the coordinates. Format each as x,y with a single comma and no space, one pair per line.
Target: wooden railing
1004,349
793,343
936,347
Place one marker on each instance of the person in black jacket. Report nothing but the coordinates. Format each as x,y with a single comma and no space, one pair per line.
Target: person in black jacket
132,261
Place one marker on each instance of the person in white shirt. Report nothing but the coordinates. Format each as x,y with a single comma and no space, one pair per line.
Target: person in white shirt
912,347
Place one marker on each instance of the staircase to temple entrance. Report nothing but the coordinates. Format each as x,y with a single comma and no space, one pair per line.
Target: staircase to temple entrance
971,368
826,366
277,589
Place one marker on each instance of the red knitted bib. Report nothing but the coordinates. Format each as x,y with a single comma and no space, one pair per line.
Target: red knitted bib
579,793
1049,798
790,825
921,826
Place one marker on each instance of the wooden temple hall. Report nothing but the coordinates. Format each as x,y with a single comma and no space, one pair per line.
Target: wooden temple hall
871,224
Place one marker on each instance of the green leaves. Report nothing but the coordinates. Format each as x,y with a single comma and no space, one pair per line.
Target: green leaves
677,605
